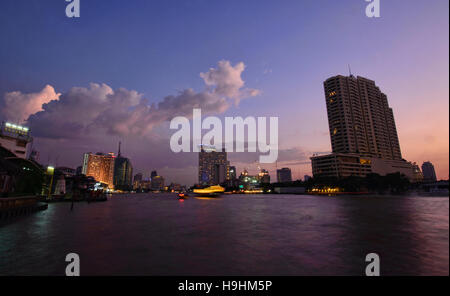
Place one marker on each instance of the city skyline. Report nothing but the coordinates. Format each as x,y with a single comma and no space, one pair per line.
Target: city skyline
290,67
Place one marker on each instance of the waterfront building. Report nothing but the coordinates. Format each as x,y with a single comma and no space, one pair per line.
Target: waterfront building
362,129
429,174
248,182
145,185
157,183
123,172
16,138
100,166
232,177
137,180
212,166
284,175
264,177
359,118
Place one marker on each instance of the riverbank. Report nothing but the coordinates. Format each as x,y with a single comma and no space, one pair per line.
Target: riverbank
15,207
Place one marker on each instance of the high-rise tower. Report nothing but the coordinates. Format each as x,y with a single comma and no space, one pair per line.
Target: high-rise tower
429,174
359,118
363,134
123,172
212,166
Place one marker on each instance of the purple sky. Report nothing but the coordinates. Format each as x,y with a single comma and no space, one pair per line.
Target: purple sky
122,70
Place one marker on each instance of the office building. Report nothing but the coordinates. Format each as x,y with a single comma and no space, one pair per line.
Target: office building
362,130
123,172
360,119
429,174
284,175
212,166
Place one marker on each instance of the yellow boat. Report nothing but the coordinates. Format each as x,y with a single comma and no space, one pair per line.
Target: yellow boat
210,191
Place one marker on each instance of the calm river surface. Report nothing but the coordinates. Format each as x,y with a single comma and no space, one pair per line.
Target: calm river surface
155,234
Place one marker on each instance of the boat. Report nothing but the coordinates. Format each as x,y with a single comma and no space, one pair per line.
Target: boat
211,191
182,195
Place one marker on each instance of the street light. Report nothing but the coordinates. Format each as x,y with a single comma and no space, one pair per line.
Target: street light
50,171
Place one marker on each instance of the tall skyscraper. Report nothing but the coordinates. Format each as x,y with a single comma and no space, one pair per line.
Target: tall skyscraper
212,166
123,172
363,134
359,118
100,166
429,174
284,175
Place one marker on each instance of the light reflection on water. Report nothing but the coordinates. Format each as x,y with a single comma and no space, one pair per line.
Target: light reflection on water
155,234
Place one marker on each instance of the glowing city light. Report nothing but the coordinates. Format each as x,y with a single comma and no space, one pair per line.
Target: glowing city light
50,170
16,127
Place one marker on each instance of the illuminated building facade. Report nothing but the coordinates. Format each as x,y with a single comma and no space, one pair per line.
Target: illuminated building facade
264,177
248,182
363,134
16,138
212,166
100,166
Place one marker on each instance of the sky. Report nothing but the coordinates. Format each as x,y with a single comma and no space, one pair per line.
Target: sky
122,70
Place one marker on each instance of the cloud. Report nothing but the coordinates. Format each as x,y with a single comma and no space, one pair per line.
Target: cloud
17,106
98,109
226,80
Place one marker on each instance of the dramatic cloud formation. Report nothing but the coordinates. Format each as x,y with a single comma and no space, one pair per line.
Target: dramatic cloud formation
226,81
17,106
95,118
98,109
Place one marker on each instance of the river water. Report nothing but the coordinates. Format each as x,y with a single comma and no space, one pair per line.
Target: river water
155,234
